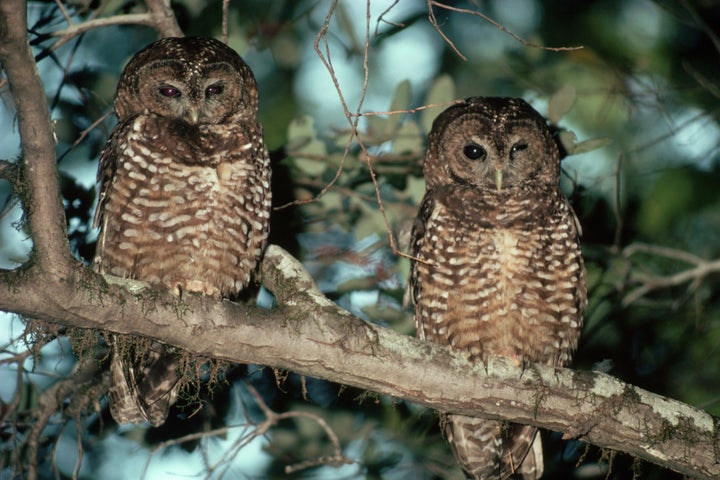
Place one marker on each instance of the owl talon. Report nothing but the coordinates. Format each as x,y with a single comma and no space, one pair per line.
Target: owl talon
199,286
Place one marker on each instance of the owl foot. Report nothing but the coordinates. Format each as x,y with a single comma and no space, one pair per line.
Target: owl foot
199,286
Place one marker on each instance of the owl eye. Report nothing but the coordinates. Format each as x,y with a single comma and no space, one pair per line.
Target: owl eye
214,90
518,147
473,151
170,92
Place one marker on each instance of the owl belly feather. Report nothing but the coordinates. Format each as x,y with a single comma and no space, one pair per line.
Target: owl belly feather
508,291
185,227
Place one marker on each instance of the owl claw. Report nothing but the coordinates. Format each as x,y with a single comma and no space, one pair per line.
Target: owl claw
198,286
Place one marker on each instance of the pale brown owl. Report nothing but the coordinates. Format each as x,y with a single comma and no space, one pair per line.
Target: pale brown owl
184,195
499,269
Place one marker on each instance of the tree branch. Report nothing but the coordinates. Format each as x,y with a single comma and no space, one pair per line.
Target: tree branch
76,29
309,334
165,21
44,210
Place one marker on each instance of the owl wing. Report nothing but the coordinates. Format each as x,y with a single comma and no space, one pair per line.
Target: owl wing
414,288
108,167
143,391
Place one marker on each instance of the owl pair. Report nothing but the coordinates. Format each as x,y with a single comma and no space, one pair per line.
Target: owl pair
185,205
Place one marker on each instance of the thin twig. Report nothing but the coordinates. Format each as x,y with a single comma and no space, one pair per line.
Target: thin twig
381,18
225,19
85,133
63,11
436,26
67,34
408,110
272,418
649,282
667,252
702,24
499,26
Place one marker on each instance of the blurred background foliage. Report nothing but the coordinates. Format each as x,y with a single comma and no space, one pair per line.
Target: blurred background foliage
637,110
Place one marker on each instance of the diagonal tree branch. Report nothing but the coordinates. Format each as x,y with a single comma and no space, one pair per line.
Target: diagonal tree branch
309,334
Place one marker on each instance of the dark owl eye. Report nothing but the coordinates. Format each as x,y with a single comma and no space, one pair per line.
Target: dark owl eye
171,92
518,147
473,151
214,90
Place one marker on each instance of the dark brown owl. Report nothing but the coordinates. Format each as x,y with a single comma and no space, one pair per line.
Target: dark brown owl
500,270
184,195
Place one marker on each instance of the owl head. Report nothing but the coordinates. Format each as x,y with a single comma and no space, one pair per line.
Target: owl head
491,143
196,80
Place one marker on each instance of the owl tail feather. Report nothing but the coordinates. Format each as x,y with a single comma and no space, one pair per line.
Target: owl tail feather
143,391
489,450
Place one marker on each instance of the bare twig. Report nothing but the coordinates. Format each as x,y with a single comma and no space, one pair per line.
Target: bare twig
381,17
702,24
499,26
83,134
667,252
408,110
225,20
63,11
67,34
258,430
164,18
702,80
436,26
650,282
159,17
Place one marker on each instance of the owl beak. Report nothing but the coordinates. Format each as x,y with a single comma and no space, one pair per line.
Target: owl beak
498,178
193,115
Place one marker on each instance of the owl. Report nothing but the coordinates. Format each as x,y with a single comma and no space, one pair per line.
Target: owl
184,197
497,266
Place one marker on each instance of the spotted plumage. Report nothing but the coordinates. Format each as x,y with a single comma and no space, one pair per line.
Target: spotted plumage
499,269
184,194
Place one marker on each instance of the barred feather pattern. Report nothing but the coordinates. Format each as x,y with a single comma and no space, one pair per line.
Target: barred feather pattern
499,269
184,197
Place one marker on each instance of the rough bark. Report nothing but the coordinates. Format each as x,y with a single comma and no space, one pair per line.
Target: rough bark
308,334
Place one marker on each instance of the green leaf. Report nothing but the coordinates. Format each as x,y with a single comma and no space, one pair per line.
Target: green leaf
592,144
561,102
441,91
302,139
415,189
409,139
567,138
377,130
401,101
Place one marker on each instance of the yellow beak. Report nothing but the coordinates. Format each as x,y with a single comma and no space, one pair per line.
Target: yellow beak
498,179
193,115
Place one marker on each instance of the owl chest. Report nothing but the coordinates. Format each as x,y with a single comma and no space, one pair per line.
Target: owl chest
488,287
488,268
189,210
165,194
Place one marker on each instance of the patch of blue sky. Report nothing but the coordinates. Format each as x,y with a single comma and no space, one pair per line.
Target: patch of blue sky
412,54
